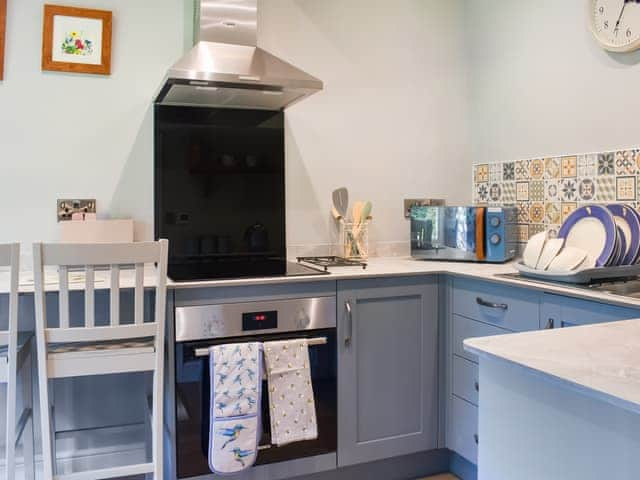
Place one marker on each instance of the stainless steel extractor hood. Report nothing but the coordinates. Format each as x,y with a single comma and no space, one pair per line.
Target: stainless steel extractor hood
225,68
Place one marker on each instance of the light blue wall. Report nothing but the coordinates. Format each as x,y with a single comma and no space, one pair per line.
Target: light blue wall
82,135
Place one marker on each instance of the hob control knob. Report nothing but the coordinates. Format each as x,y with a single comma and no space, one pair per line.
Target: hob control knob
495,239
302,319
495,222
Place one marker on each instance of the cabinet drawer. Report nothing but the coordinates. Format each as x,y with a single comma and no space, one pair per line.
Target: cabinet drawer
560,312
506,307
465,379
464,328
464,429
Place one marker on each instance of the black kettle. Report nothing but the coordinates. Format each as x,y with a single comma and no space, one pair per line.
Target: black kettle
257,238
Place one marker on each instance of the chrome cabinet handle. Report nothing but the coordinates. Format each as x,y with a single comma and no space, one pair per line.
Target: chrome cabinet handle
349,330
550,324
484,303
476,385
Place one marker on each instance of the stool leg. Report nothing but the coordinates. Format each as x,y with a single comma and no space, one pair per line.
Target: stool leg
11,420
27,436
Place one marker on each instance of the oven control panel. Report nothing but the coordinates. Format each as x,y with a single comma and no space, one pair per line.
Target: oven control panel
259,320
202,322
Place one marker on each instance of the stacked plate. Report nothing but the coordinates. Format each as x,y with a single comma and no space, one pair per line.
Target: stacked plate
592,236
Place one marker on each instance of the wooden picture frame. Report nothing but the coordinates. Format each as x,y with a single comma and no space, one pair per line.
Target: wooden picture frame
76,40
3,28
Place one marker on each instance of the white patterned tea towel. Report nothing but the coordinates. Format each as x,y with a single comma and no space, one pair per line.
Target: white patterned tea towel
291,402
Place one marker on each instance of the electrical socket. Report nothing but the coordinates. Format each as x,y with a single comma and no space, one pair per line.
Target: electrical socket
67,207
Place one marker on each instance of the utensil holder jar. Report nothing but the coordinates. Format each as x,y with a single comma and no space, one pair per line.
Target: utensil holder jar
355,240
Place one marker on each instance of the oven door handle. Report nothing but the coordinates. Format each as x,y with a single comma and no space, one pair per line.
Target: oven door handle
349,329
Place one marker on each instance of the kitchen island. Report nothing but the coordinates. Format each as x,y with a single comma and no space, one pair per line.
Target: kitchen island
560,404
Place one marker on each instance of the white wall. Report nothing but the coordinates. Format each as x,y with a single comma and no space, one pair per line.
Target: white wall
542,86
82,135
390,121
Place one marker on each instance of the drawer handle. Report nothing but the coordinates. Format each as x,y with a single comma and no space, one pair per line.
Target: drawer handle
484,303
475,438
349,333
550,324
476,385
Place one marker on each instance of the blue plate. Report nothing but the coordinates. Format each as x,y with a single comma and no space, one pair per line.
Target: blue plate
628,216
622,252
605,218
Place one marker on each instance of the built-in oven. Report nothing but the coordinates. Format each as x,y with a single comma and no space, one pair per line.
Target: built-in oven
199,327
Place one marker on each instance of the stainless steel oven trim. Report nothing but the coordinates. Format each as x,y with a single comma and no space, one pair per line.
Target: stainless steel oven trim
204,322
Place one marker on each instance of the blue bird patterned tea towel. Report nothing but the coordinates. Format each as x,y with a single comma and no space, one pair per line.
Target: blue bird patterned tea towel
236,384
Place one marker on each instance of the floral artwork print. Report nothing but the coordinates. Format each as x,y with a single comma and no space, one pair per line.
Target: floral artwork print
75,44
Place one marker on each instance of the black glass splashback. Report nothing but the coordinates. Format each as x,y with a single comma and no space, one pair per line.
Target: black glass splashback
219,191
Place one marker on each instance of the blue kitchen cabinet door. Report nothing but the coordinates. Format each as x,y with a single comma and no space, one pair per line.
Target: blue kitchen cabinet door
387,368
561,312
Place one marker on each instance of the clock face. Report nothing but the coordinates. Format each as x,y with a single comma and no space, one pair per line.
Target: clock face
616,24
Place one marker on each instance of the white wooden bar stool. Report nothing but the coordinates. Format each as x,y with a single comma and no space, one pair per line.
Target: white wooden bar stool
71,351
15,362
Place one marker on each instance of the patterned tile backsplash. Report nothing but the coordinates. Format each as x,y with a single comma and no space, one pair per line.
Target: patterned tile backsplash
547,190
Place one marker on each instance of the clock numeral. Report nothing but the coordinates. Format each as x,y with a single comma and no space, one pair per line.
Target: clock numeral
601,10
606,24
629,33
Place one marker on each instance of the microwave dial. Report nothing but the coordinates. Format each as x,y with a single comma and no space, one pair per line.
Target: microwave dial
495,239
495,222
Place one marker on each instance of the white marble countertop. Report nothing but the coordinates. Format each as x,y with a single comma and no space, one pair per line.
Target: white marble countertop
600,360
376,268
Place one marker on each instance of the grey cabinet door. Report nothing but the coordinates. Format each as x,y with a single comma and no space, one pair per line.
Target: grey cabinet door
387,368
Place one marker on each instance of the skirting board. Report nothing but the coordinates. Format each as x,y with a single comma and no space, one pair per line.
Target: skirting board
462,468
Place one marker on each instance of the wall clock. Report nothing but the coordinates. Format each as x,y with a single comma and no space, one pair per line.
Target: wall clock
616,24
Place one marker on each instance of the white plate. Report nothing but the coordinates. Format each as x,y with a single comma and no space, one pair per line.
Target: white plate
568,259
534,248
551,249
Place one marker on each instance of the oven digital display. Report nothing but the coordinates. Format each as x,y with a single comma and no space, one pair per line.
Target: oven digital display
259,320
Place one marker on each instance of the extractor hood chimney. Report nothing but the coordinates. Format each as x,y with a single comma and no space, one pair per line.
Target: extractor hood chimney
226,69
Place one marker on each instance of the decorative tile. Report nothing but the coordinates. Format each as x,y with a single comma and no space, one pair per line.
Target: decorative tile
587,165
625,188
522,169
509,171
625,163
481,173
536,228
606,164
536,212
536,191
567,209
552,213
546,191
536,169
509,192
495,193
605,189
481,193
586,190
495,172
552,189
522,233
569,167
568,189
523,212
522,191
551,168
